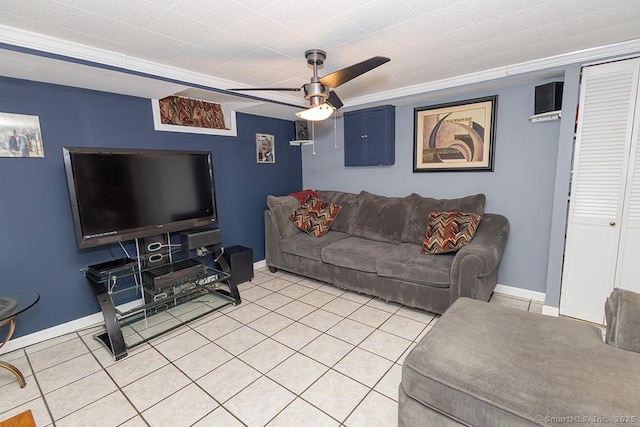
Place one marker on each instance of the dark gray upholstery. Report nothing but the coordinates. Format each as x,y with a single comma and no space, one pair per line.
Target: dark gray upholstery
419,207
370,258
622,311
489,365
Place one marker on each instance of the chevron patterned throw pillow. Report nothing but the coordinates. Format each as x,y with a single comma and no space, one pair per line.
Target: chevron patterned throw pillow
315,216
449,231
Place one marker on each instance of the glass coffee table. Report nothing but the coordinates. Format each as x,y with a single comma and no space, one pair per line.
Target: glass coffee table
12,303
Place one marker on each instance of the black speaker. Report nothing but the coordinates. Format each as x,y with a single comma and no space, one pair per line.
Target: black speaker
302,130
194,239
240,260
548,97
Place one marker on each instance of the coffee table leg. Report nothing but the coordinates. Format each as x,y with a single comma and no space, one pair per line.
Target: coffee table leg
8,366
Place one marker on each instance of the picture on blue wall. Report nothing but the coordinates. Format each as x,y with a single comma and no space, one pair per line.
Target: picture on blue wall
456,136
265,148
20,136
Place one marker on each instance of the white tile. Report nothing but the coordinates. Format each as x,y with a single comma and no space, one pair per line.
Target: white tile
151,389
276,284
295,291
317,298
356,297
218,327
375,411
67,372
296,335
36,406
271,323
310,283
170,412
56,354
295,310
351,331
248,312
363,366
273,301
101,413
181,344
330,289
297,372
321,320
260,277
389,383
370,316
255,293
136,366
219,417
228,379
260,402
335,394
342,307
327,349
32,349
416,314
202,361
240,340
403,327
301,413
20,363
135,422
385,344
266,355
79,394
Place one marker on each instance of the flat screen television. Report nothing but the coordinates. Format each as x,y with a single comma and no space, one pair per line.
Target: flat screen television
120,194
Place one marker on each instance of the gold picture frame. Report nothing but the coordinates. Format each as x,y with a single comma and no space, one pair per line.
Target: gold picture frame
458,136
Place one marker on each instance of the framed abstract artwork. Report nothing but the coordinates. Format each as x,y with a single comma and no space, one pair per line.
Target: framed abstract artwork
457,136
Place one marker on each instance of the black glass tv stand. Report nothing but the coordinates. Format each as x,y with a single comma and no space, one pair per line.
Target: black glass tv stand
139,302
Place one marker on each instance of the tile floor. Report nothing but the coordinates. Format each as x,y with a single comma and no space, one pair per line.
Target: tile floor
296,352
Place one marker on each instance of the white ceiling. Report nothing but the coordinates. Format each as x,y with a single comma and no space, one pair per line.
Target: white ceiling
254,43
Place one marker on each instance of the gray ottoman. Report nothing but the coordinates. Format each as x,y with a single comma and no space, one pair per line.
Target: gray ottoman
487,365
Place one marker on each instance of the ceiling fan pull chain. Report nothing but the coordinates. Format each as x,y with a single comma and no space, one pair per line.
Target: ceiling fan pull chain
313,138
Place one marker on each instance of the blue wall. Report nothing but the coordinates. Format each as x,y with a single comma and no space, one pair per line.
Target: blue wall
521,186
38,249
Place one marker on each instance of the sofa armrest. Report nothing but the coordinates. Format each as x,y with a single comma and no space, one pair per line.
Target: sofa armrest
479,258
622,311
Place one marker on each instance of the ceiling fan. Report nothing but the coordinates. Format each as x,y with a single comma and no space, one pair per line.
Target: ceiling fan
324,101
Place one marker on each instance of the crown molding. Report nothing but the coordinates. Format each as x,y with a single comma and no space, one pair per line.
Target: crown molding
582,56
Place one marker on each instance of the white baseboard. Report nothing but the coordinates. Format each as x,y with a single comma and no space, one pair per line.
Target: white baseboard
550,311
520,293
72,326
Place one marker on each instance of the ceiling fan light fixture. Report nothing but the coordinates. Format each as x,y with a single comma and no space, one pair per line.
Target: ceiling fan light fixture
317,113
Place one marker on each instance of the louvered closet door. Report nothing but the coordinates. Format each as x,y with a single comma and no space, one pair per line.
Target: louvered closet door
603,142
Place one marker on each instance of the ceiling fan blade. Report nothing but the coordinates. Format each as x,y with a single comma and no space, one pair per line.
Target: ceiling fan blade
288,89
339,77
334,100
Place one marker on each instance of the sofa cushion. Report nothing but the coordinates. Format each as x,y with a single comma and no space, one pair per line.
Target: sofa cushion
344,222
405,262
356,253
485,362
419,207
282,207
622,311
315,216
380,218
449,231
308,246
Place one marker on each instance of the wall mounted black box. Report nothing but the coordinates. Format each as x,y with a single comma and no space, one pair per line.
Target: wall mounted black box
302,130
240,260
548,97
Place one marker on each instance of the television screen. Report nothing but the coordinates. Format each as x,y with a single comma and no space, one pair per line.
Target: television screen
123,194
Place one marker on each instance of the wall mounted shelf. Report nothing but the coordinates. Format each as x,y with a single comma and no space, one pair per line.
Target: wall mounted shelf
544,117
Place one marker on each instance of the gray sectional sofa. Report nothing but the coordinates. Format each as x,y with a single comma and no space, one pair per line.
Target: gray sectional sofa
487,365
374,247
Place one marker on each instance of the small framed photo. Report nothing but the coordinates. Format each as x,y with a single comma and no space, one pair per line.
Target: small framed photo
457,136
20,136
265,148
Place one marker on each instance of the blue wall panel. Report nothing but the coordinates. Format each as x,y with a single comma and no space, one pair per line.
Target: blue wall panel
38,249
